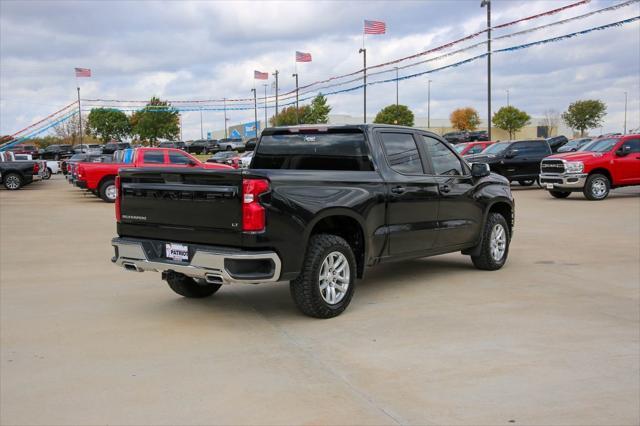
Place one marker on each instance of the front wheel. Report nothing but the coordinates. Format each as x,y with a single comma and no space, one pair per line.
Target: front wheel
191,288
495,244
327,281
12,181
597,187
559,194
229,148
108,191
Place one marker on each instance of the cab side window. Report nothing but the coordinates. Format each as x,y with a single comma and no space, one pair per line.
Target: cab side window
178,158
154,157
475,149
402,153
634,144
444,161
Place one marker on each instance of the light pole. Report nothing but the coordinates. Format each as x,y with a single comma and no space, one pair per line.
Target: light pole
255,110
429,104
297,118
201,133
508,97
396,68
487,3
225,117
625,113
364,70
266,124
275,74
181,136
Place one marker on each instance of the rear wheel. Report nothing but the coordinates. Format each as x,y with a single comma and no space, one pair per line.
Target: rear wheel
108,191
229,147
326,284
559,194
13,181
47,174
191,288
597,187
495,244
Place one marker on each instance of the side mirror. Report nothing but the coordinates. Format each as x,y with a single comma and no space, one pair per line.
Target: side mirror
479,170
623,151
510,153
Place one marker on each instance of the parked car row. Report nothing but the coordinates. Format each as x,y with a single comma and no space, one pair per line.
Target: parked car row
461,137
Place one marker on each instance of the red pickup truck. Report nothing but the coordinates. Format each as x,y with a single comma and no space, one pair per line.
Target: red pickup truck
100,178
595,169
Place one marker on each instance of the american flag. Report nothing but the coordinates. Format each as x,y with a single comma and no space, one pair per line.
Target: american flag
260,75
303,57
374,27
83,72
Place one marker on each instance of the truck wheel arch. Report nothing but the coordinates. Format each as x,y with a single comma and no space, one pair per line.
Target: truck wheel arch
346,224
603,171
104,179
500,206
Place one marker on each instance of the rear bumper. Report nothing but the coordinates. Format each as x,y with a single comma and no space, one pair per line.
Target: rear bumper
566,182
218,265
81,184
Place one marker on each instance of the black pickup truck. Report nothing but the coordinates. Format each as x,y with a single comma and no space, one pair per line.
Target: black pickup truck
16,174
316,207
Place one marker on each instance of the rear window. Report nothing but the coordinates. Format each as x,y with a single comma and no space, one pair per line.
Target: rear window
331,150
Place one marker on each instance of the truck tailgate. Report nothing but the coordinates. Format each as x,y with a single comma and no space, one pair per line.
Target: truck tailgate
189,204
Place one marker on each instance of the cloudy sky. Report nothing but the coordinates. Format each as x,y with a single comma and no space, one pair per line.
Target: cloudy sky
208,50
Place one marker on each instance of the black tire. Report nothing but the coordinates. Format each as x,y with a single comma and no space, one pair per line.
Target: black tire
526,182
305,290
47,175
559,194
105,191
485,260
597,187
229,147
13,181
191,288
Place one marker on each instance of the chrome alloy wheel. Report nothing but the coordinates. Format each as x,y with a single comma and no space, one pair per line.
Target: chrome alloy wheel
111,192
498,242
599,188
12,182
334,277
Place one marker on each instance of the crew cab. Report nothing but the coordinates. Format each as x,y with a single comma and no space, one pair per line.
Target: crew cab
316,207
100,178
14,174
516,160
595,169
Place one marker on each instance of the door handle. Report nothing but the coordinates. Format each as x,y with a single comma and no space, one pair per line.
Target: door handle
398,190
445,188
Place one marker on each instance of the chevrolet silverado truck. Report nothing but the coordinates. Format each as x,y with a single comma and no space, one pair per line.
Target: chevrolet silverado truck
316,207
594,169
100,178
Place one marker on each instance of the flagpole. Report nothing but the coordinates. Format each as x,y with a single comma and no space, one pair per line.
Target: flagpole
295,66
266,124
364,70
79,116
255,110
275,74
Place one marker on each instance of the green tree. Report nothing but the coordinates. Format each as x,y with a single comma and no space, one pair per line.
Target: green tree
318,112
465,119
157,120
510,119
395,114
583,115
105,123
287,116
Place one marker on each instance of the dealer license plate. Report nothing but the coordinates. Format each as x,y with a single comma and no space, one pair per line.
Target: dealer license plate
179,252
549,186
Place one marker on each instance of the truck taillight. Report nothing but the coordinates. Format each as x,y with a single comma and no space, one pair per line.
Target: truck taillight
118,196
253,219
36,168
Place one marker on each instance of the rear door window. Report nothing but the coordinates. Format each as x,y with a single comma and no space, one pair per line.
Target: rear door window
402,152
153,157
634,144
